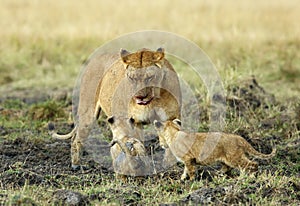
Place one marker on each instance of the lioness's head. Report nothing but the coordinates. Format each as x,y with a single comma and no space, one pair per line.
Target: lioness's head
145,72
165,129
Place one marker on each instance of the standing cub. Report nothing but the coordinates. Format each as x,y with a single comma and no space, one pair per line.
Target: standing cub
207,148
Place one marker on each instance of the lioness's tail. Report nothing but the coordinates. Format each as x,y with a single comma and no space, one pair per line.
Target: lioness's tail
251,151
61,136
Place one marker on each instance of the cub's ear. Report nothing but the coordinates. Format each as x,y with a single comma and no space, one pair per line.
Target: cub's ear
157,124
124,54
159,55
111,119
177,122
131,120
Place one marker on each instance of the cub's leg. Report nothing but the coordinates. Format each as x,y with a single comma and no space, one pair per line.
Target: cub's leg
189,170
249,165
225,168
121,177
242,162
185,172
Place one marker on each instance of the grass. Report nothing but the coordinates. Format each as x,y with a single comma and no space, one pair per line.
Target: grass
263,189
44,44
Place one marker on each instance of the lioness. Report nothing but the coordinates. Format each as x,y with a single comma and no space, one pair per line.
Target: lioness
127,151
142,85
188,148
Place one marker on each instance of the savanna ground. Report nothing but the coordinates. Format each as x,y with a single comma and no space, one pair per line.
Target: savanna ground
254,45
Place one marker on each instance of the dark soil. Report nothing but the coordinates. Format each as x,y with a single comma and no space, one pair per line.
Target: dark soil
29,156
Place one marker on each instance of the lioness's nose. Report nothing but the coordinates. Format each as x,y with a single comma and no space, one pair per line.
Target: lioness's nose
141,96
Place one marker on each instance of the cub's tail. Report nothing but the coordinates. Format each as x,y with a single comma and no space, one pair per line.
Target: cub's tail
251,151
61,136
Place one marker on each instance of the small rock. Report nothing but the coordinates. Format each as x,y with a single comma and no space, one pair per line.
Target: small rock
203,196
3,131
68,197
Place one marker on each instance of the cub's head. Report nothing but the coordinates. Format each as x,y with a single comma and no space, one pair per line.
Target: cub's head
122,127
132,146
166,130
133,159
145,72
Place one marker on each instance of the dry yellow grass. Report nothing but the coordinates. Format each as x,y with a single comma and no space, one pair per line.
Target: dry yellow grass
48,40
198,20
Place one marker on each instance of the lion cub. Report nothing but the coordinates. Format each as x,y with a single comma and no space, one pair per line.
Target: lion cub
207,148
127,151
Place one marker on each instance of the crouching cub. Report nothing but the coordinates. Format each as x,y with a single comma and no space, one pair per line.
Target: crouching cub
207,148
128,153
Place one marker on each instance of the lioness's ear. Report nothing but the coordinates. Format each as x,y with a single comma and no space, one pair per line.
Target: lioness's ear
162,50
177,121
111,119
124,54
159,54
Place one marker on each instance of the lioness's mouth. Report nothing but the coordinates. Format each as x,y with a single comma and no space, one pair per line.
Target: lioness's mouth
143,101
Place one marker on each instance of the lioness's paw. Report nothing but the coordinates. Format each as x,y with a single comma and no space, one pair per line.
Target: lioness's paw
79,167
51,126
183,177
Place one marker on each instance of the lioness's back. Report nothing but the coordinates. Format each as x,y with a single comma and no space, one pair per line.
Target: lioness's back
92,75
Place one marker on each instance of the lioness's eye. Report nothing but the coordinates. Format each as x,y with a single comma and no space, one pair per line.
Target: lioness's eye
131,78
148,79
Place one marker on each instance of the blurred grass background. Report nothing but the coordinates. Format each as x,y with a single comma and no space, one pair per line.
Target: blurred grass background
44,43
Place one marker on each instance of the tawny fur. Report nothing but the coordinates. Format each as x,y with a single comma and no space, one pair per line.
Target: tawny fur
117,83
125,130
207,148
128,152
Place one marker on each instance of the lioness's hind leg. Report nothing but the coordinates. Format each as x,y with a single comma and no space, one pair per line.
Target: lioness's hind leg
76,146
